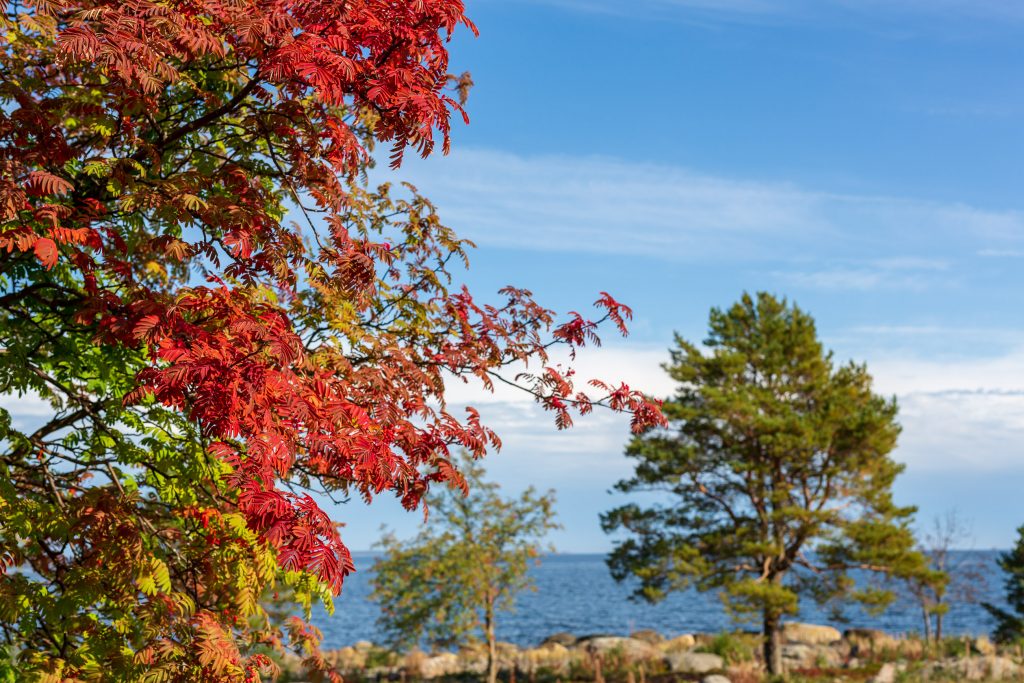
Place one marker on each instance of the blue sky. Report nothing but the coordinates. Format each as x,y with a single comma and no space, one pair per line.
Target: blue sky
862,158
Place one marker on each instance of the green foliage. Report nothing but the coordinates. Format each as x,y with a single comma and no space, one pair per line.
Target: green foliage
8,672
1010,622
955,647
734,648
444,587
379,656
772,450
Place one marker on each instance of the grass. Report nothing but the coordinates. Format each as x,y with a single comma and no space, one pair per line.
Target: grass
734,648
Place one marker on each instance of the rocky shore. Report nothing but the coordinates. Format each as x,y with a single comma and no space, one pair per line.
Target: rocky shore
810,653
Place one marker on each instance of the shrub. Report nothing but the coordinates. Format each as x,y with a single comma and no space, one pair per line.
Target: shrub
732,647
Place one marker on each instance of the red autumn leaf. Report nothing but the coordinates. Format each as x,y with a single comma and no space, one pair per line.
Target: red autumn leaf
45,250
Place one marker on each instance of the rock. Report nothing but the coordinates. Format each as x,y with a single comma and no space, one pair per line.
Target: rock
694,662
473,660
648,635
810,634
678,644
1001,668
828,657
363,646
291,663
887,674
413,660
991,668
348,658
801,656
443,664
798,654
553,657
508,655
715,678
631,649
562,638
983,645
869,640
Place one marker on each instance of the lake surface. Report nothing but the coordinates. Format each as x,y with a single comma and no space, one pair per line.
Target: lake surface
575,593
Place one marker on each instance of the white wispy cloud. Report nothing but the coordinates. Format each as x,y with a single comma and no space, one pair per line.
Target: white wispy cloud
894,273
605,205
595,204
1001,253
960,418
990,375
958,414
27,411
987,9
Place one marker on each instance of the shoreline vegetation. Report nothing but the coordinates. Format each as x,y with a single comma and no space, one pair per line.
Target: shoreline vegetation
809,652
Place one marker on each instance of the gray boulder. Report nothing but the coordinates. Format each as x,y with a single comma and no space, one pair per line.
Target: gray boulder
444,664
562,638
632,649
993,668
553,657
648,635
715,678
799,655
810,634
694,662
678,644
869,640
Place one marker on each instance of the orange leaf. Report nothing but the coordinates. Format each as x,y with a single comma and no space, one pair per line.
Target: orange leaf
46,251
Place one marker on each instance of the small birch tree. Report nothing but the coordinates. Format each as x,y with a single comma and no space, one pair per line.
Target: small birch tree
447,586
952,578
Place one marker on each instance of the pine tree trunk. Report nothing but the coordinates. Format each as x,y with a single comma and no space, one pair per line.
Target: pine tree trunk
938,627
927,624
492,643
772,634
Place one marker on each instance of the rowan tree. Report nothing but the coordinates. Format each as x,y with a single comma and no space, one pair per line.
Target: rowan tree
774,475
446,586
209,362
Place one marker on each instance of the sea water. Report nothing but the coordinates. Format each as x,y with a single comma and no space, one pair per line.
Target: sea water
575,593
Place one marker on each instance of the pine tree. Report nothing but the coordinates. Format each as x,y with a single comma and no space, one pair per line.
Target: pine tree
777,466
1010,623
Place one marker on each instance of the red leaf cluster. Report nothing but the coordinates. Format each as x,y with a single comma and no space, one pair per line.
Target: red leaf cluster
297,362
